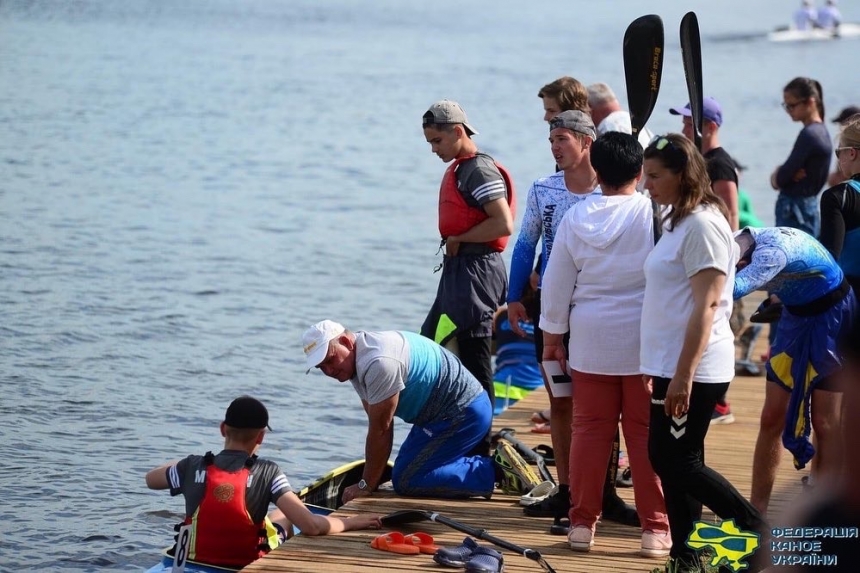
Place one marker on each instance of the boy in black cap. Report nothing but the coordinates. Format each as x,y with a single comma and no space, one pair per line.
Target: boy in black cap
227,495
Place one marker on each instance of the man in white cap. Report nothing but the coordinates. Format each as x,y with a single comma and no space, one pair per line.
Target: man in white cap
404,374
476,217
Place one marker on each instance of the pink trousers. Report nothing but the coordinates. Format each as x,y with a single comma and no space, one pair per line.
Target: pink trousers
599,401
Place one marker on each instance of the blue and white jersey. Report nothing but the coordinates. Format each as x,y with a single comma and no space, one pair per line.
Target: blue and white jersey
789,263
547,202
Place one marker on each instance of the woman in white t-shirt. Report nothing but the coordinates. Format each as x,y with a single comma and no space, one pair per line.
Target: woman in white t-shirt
687,348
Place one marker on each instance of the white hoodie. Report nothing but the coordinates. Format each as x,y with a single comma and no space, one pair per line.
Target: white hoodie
594,283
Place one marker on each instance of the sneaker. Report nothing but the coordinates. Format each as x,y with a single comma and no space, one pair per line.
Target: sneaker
624,479
516,475
746,368
555,505
722,415
580,538
655,544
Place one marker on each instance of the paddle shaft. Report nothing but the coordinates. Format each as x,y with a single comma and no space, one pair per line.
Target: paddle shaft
691,53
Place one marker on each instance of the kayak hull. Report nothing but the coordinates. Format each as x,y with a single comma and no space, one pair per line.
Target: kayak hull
847,30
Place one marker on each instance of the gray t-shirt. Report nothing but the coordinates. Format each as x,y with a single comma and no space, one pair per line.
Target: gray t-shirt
433,384
266,482
480,181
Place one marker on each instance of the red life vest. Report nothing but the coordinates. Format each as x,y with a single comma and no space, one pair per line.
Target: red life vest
456,216
223,533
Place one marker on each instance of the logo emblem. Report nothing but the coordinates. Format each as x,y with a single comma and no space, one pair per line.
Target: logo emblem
726,542
223,492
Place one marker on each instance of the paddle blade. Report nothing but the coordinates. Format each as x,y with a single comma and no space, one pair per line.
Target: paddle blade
691,53
404,516
643,67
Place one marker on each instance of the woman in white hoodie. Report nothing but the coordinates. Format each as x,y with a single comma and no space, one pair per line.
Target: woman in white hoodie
594,286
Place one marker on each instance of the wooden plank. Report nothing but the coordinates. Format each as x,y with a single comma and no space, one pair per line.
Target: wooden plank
729,451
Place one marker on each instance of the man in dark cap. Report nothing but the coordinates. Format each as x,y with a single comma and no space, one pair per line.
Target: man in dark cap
227,495
476,217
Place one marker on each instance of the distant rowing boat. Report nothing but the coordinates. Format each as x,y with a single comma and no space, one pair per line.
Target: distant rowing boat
847,30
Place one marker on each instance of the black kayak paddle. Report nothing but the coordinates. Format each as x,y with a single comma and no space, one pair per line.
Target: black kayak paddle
691,52
643,67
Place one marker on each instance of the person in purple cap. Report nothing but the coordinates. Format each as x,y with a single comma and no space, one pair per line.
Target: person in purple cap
724,182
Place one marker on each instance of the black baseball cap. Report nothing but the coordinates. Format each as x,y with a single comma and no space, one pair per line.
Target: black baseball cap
846,113
247,412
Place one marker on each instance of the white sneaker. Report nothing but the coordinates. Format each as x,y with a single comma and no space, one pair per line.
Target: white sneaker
580,538
655,544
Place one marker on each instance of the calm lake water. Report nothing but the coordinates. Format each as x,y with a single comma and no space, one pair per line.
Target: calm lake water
185,186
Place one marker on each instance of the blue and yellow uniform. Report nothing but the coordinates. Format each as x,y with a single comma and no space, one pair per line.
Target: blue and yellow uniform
819,308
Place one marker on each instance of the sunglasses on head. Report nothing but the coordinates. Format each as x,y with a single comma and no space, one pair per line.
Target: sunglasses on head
661,142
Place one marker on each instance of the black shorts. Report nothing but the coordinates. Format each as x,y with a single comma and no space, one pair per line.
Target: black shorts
534,313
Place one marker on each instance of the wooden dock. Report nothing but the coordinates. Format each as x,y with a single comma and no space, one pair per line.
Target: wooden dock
729,451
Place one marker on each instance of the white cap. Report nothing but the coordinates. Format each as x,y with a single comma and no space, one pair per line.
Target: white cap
316,338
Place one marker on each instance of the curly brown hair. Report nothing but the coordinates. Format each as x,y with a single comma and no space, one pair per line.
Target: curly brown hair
680,156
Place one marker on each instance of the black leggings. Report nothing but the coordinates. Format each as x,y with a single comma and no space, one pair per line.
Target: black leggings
679,460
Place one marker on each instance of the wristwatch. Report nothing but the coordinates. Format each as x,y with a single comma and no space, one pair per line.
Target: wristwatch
362,485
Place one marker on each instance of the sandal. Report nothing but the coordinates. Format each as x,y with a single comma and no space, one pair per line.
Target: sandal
541,429
540,417
546,452
539,493
560,526
394,542
422,541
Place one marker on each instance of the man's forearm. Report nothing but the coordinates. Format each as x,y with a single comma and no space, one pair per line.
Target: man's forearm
377,450
487,230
